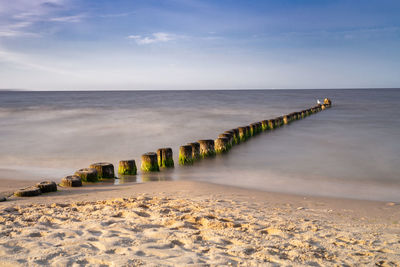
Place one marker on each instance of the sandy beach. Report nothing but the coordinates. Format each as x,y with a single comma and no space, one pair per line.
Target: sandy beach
183,223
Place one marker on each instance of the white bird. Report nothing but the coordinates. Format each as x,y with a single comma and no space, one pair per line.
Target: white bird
318,102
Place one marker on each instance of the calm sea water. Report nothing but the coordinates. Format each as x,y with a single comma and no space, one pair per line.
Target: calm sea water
351,150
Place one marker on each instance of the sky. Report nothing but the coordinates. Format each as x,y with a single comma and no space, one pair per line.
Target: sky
198,44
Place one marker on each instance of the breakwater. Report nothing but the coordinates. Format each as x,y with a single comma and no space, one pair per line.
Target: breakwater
190,153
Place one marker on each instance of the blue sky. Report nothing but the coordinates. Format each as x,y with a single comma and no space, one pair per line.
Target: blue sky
194,44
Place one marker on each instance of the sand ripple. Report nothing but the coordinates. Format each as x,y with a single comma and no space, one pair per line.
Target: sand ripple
164,230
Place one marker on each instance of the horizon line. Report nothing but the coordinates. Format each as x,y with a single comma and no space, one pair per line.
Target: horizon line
213,89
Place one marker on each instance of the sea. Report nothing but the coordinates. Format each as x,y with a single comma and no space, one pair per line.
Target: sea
351,150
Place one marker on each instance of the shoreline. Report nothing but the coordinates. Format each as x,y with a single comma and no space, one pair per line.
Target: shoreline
181,223
198,189
8,186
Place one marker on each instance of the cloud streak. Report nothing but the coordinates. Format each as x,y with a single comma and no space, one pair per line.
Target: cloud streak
18,18
22,61
158,37
73,19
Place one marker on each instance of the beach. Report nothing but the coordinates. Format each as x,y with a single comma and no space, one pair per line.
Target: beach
199,133
184,223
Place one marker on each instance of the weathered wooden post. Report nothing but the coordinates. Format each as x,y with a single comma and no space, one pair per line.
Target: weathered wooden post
127,167
221,145
229,137
207,148
195,150
232,134
47,186
236,137
275,123
165,158
271,125
293,116
253,129
264,125
105,170
327,102
286,119
280,121
87,175
260,129
185,155
28,192
71,181
149,162
248,131
242,134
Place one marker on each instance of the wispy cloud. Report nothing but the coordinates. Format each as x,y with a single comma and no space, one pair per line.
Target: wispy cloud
26,62
18,18
158,37
76,18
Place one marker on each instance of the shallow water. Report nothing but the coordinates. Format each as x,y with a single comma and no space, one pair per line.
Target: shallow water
351,150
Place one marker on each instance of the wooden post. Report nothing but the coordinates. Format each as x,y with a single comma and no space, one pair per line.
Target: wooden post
105,170
207,148
149,162
185,155
127,167
165,159
221,145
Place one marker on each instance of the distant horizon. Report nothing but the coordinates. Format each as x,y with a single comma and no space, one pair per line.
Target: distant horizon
201,89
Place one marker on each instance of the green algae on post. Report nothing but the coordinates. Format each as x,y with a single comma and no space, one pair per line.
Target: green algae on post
242,134
127,167
149,162
165,159
195,150
88,175
235,134
279,121
227,136
221,145
207,148
232,134
105,170
248,131
28,192
185,155
253,129
264,125
259,127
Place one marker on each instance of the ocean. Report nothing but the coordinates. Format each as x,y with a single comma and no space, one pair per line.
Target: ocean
351,150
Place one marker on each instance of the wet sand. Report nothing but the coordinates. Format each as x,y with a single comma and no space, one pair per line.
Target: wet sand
183,223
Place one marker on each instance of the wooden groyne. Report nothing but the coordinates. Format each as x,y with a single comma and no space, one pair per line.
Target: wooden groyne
188,154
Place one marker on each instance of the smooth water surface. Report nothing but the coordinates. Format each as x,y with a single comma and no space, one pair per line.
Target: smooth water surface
351,150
